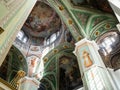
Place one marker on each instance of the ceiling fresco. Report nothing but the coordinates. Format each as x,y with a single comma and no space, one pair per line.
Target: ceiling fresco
69,77
61,69
102,5
42,22
13,62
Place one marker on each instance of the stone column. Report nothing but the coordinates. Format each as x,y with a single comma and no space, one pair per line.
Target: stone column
93,71
28,83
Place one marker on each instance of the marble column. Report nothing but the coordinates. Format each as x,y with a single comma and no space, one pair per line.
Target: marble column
93,71
28,83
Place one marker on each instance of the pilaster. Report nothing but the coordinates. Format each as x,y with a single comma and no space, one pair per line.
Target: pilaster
28,83
93,71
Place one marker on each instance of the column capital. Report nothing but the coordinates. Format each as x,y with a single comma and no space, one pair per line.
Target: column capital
84,42
28,83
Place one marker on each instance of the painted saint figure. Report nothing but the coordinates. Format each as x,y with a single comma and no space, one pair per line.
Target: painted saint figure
87,59
32,66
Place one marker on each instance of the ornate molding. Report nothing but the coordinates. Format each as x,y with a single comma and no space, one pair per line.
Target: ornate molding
12,9
10,38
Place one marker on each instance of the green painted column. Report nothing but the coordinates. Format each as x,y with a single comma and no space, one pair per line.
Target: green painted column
13,14
93,71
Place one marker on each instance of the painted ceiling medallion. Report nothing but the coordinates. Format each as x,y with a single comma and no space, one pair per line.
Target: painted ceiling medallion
107,26
55,50
70,22
61,8
79,38
20,57
96,33
65,46
45,59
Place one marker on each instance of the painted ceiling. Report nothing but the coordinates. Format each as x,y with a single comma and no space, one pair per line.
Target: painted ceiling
13,62
41,23
69,71
102,5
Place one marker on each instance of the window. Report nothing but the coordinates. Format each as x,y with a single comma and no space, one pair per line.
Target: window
58,33
20,35
53,38
108,42
48,41
25,39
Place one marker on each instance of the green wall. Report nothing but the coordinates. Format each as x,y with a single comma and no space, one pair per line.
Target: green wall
51,65
86,22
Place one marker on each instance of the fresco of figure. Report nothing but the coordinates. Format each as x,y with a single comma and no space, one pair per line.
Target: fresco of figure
87,60
32,66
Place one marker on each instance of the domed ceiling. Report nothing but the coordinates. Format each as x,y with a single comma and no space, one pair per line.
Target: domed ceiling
41,23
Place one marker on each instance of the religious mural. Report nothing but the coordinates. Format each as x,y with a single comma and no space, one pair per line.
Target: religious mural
32,64
69,77
35,67
42,22
102,5
87,59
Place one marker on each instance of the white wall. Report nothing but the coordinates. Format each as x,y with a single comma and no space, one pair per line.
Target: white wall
115,76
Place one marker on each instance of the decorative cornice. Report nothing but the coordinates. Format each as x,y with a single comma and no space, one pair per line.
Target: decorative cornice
82,43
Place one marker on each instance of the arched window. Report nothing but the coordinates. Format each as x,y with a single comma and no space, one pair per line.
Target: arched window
53,37
58,33
20,35
108,43
48,42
